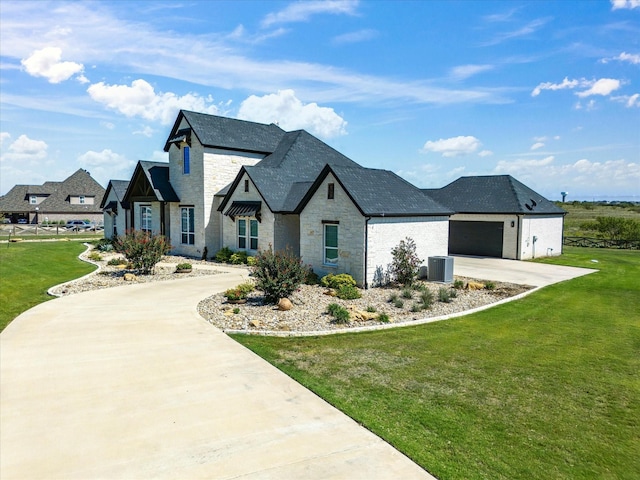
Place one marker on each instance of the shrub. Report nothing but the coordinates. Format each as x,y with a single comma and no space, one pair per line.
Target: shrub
239,292
405,264
223,255
453,293
384,318
251,261
458,284
278,274
312,278
142,249
238,258
398,303
416,307
117,261
406,293
348,292
489,285
104,245
393,297
184,266
95,256
236,310
340,314
426,298
371,309
337,281
444,295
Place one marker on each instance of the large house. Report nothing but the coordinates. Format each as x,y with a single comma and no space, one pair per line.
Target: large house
250,186
116,220
75,198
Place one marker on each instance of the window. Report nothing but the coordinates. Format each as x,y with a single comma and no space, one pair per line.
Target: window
188,226
33,199
81,199
330,191
246,185
145,218
330,244
186,161
247,236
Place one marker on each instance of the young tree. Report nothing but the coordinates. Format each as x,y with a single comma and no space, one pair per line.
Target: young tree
406,264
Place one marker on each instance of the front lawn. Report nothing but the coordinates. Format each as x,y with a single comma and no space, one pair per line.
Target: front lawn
28,269
544,387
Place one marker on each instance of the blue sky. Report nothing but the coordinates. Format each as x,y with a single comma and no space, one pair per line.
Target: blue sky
548,92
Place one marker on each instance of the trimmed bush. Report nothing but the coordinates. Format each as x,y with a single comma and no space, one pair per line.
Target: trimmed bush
143,250
337,281
239,292
223,255
384,318
348,292
251,261
238,258
184,266
117,261
489,285
278,274
458,284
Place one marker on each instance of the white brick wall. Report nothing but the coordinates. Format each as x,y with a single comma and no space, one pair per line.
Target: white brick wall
548,233
431,235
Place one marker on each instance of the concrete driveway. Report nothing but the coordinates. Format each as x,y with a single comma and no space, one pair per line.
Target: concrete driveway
514,271
132,383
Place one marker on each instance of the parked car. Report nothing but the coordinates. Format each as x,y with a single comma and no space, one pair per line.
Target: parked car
77,225
22,221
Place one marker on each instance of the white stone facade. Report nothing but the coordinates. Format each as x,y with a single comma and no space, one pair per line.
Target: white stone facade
431,235
541,236
119,221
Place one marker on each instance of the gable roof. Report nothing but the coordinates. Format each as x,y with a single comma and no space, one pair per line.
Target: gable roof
379,193
151,180
226,133
80,183
119,188
493,194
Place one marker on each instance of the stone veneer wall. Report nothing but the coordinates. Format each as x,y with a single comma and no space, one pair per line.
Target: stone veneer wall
351,229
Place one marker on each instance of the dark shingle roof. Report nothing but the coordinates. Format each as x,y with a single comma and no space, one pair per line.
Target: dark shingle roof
227,133
493,194
79,183
155,175
119,188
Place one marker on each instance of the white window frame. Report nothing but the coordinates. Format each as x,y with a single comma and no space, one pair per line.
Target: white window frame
82,199
333,261
33,200
247,240
146,218
188,234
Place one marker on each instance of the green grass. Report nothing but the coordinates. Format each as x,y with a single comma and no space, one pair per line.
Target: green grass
545,387
582,212
29,269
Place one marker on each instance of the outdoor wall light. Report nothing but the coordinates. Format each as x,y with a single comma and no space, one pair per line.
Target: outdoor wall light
513,224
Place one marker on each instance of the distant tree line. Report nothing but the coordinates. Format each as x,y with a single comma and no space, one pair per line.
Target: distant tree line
614,228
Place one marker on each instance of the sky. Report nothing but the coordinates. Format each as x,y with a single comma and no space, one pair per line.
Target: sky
545,91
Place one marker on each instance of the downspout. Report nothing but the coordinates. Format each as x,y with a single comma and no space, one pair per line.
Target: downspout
366,250
519,239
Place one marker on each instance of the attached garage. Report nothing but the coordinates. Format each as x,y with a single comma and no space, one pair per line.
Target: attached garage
483,239
498,216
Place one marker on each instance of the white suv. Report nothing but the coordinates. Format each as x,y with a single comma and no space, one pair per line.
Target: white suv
77,225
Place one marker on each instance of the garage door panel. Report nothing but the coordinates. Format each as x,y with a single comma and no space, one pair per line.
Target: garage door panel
476,238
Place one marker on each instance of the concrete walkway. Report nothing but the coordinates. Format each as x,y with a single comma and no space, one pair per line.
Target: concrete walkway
131,382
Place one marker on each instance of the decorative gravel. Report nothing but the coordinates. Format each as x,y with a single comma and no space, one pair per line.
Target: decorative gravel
309,312
310,302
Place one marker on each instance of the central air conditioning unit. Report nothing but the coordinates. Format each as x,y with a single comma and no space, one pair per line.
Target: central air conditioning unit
440,269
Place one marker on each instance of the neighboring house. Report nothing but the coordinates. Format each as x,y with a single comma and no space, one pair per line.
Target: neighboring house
498,216
76,198
116,217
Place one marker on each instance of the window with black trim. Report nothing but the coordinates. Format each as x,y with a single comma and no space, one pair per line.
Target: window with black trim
186,160
246,185
330,191
247,234
330,244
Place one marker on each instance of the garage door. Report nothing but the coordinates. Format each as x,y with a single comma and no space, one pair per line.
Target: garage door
476,238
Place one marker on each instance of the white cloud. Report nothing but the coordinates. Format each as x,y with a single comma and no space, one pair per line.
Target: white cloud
303,11
589,106
26,149
285,109
485,153
4,136
619,4
624,57
603,87
630,101
355,37
46,63
537,146
141,100
566,83
526,30
453,147
463,72
106,165
145,131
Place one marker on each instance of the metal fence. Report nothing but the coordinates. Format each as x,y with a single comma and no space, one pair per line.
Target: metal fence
601,243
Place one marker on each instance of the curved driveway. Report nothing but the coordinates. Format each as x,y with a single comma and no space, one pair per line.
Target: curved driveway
130,382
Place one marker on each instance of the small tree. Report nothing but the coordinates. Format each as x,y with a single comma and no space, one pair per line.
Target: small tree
143,250
406,264
278,274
